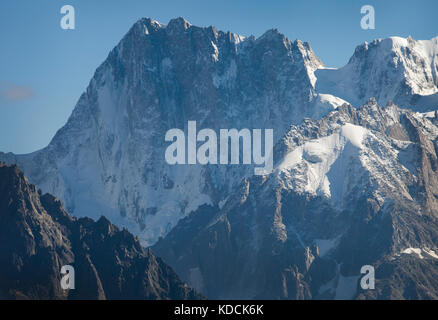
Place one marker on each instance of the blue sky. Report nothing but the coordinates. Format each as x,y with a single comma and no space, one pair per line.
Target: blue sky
44,69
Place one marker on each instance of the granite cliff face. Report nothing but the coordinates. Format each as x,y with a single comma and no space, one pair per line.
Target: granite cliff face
351,187
109,157
38,237
356,188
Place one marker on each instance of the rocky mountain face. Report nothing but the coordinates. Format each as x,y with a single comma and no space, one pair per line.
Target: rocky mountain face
109,157
401,70
358,187
38,237
351,187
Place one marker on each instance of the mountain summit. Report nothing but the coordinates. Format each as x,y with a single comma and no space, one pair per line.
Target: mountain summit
401,70
356,188
351,186
109,157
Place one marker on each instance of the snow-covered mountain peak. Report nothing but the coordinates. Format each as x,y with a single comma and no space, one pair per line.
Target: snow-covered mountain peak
271,34
403,70
356,186
109,157
349,151
145,26
178,24
350,186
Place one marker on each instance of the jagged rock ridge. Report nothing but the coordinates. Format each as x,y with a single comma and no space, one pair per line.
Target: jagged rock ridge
109,157
38,237
358,187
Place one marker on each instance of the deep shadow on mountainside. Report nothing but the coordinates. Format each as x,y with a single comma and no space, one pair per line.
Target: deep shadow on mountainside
274,239
358,186
109,155
38,237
